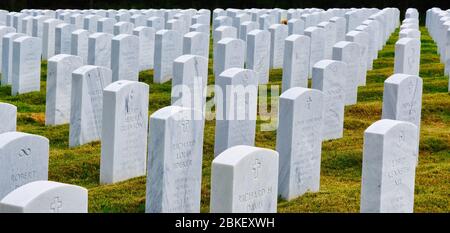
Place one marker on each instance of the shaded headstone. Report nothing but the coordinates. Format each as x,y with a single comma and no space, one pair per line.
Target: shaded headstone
317,45
86,105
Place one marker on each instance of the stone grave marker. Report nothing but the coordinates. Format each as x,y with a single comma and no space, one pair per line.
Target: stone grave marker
244,180
236,103
174,161
124,131
125,57
46,197
26,66
168,46
23,159
86,105
258,54
59,87
8,116
388,167
296,61
329,77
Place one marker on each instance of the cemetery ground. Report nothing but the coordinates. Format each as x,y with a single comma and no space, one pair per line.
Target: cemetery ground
341,159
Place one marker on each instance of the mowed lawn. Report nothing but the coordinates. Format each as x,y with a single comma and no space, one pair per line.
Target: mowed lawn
341,159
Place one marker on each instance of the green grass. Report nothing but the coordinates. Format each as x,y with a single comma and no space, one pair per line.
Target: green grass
341,159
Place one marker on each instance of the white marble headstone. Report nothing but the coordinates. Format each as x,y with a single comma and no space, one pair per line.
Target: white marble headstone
362,39
125,57
59,87
236,102
146,47
190,77
349,53
26,66
278,33
3,31
123,28
407,56
7,56
296,61
79,44
317,46
23,159
402,98
8,117
99,49
258,54
46,197
196,43
174,167
48,37
63,37
244,180
229,54
106,25
299,141
168,46
124,131
329,77
86,105
388,167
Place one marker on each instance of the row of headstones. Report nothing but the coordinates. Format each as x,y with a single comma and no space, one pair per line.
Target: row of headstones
390,189
256,198
185,138
438,24
182,153
410,24
30,21
59,36
285,47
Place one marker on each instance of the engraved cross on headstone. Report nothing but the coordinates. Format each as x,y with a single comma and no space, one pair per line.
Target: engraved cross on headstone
56,205
308,102
256,167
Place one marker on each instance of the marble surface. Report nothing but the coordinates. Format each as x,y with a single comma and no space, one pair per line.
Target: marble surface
46,197
244,180
23,159
124,131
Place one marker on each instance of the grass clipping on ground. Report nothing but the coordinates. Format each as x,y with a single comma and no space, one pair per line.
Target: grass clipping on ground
341,159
